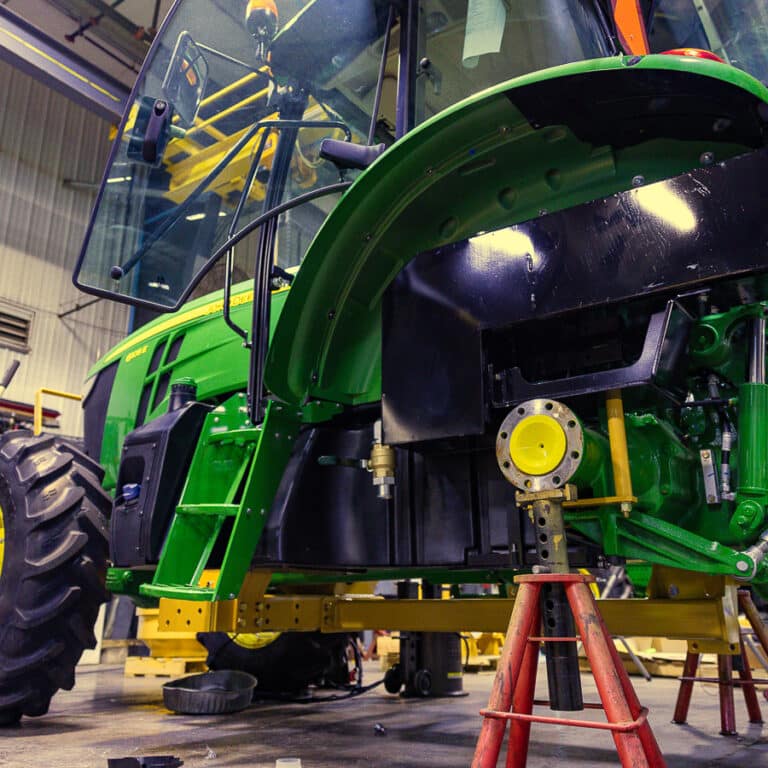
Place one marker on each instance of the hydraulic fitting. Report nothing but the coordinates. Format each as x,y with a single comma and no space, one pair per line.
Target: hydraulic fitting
382,464
759,549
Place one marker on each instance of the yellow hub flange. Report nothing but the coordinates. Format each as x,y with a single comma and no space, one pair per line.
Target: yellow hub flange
254,641
537,445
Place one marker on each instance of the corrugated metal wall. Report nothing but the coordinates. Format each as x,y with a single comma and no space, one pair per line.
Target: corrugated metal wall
44,140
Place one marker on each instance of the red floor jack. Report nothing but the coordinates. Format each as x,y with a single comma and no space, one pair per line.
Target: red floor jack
556,607
724,679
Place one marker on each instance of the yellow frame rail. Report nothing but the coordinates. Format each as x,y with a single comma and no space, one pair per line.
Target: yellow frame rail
38,412
708,620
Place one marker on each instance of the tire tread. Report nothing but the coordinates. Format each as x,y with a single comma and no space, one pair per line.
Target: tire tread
49,594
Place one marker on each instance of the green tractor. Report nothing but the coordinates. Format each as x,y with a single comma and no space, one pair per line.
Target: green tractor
494,249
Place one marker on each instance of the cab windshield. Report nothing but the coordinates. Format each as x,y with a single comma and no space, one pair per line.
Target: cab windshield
234,102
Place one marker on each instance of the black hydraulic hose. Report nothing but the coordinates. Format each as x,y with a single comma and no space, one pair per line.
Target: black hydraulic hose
329,189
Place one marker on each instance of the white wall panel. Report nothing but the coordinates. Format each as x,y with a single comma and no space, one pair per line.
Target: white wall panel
44,140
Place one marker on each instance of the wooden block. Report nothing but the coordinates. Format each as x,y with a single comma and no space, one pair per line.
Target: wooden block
146,666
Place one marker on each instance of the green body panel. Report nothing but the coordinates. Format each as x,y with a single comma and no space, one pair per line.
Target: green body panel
210,354
477,166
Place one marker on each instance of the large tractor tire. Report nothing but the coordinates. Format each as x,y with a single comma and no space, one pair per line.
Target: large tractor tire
53,559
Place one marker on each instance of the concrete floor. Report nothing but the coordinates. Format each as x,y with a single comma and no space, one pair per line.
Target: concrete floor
107,715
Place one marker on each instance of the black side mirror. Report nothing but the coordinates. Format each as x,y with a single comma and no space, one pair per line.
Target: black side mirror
151,131
185,79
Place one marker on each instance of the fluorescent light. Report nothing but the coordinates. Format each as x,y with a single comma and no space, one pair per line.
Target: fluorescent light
195,216
118,179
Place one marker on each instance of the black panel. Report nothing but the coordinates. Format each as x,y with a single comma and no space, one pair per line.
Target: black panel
451,507
162,389
95,410
624,107
154,363
155,457
141,411
482,302
328,514
174,349
440,345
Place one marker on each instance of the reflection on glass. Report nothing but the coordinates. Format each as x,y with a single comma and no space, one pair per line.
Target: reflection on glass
194,160
736,30
473,45
206,148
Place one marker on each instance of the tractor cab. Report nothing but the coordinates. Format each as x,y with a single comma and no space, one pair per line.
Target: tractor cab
256,116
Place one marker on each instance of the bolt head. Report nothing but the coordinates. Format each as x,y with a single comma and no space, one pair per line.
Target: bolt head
742,565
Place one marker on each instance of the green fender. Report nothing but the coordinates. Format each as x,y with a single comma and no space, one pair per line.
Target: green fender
482,165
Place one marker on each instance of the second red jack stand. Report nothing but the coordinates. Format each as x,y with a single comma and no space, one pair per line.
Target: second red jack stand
724,678
513,688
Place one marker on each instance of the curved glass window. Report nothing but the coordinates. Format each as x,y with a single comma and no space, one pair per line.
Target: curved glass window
471,45
234,102
194,158
736,30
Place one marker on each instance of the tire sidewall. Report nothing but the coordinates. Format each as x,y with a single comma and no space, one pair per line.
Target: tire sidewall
14,547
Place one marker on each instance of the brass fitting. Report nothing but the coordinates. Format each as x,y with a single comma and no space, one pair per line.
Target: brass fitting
382,466
382,463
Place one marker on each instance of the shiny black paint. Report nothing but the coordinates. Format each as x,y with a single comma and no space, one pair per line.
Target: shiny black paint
456,312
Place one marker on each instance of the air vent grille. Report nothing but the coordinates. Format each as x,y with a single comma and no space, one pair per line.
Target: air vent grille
15,327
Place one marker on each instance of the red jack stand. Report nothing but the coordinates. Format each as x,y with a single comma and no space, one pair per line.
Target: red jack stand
513,688
724,678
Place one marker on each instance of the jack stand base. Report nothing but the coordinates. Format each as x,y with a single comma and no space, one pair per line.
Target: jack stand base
724,678
513,688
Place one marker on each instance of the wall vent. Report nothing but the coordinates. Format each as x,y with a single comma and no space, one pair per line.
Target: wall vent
15,327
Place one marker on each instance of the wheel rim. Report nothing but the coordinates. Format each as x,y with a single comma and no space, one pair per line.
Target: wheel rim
253,641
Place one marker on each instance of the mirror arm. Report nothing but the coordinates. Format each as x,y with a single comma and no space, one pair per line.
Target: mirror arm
380,80
233,60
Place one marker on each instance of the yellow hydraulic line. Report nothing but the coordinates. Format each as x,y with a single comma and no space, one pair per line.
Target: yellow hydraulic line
592,584
206,124
228,89
38,412
617,440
